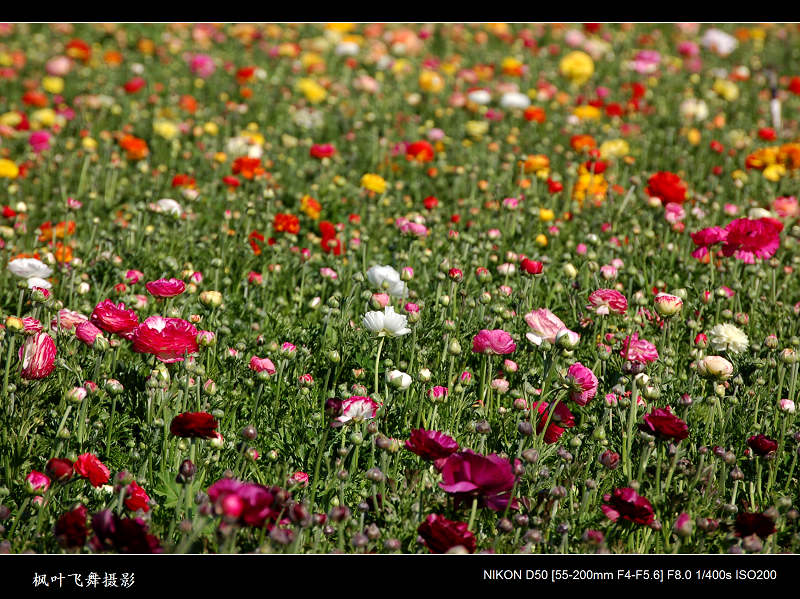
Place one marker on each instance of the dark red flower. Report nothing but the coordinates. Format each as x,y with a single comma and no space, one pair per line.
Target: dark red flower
754,523
561,420
194,424
71,529
59,469
467,474
762,445
665,425
668,187
122,535
629,505
431,445
440,535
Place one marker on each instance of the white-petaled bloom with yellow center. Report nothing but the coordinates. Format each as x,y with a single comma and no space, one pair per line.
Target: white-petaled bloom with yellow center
387,323
388,279
727,337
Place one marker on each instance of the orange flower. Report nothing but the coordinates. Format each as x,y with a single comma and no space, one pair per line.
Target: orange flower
135,148
79,50
789,155
580,143
535,114
536,163
310,206
188,103
247,167
63,253
112,58
61,230
286,223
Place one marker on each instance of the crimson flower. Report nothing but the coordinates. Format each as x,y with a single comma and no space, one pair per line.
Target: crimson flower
754,523
467,474
114,318
431,445
194,424
165,287
629,505
561,420
668,187
762,445
89,466
665,425
440,535
71,530
168,339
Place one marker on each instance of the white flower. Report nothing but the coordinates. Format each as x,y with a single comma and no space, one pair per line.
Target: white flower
479,96
29,267
692,108
398,380
346,49
756,213
169,206
38,282
720,42
388,279
387,322
515,100
726,337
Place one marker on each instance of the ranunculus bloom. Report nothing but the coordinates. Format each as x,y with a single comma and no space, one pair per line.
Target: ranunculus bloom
440,535
262,365
202,65
358,408
136,498
122,535
38,356
169,339
762,445
87,332
786,207
561,420
531,267
386,277
115,318
387,322
754,523
748,239
71,530
715,367
467,474
165,287
67,319
496,342
322,151
59,469
728,337
194,424
29,267
582,384
38,482
89,466
431,445
629,505
667,304
544,326
705,238
605,301
39,141
638,350
667,187
250,504
665,425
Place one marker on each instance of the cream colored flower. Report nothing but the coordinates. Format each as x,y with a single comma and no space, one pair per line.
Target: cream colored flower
727,337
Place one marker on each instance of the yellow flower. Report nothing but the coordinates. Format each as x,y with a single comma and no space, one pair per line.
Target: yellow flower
310,206
614,148
46,117
254,138
774,172
537,163
739,175
693,136
541,240
590,186
431,81
312,90
8,169
10,119
340,27
220,157
477,128
577,66
546,215
373,182
166,129
211,128
511,66
89,143
311,59
53,85
726,89
587,112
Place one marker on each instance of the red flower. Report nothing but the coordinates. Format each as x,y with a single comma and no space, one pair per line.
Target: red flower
762,445
430,202
253,239
794,85
322,151
431,445
114,318
59,469
561,420
754,523
421,151
664,424
183,181
137,498
440,535
767,134
89,466
531,267
134,85
165,287
629,505
286,223
168,339
194,424
668,187
71,530
554,186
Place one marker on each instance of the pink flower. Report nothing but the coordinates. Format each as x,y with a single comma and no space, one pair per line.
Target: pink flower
437,392
381,300
67,319
38,356
165,287
582,384
114,318
467,474
168,339
674,213
705,238
87,332
544,326
31,325
605,301
786,206
638,350
39,141
749,239
202,65
262,365
328,273
134,276
496,342
357,409
37,482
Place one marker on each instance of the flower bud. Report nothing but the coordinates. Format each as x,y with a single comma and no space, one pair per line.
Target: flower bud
211,299
668,305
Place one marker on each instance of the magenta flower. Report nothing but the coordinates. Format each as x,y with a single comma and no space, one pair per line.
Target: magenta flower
168,339
357,409
38,482
262,365
582,384
165,287
202,65
749,239
705,238
605,301
496,342
638,350
431,445
87,332
39,141
114,318
627,504
467,474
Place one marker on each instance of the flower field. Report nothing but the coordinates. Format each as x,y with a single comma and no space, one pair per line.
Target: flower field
391,288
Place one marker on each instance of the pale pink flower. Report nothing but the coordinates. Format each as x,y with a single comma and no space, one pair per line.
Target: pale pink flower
605,301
